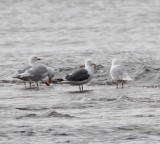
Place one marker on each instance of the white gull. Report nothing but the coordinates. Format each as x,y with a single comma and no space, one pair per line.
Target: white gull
118,73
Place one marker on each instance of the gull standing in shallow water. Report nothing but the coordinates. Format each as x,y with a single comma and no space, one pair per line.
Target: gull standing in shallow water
118,73
36,72
32,61
81,76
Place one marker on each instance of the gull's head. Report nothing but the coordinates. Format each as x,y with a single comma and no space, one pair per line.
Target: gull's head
90,64
33,59
115,61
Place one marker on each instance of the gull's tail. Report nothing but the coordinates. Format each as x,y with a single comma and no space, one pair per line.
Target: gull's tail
16,76
60,81
126,77
57,80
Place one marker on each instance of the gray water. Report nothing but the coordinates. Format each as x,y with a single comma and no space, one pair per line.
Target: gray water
64,33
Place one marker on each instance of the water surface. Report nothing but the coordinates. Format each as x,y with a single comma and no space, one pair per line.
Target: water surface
64,34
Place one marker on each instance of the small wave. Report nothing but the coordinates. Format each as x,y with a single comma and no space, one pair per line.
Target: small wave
55,114
3,134
10,81
130,99
131,138
147,115
32,115
149,100
73,106
149,86
130,127
148,74
104,99
25,132
45,115
62,134
142,72
142,99
140,115
31,109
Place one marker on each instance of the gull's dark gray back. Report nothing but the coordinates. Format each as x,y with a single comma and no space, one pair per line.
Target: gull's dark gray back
79,75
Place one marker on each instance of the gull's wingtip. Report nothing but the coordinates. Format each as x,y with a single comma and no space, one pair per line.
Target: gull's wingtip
58,80
15,76
129,79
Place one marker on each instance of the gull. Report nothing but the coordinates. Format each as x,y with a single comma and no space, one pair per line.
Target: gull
36,72
80,76
32,61
118,73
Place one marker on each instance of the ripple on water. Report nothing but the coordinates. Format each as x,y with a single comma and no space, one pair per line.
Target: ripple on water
48,114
